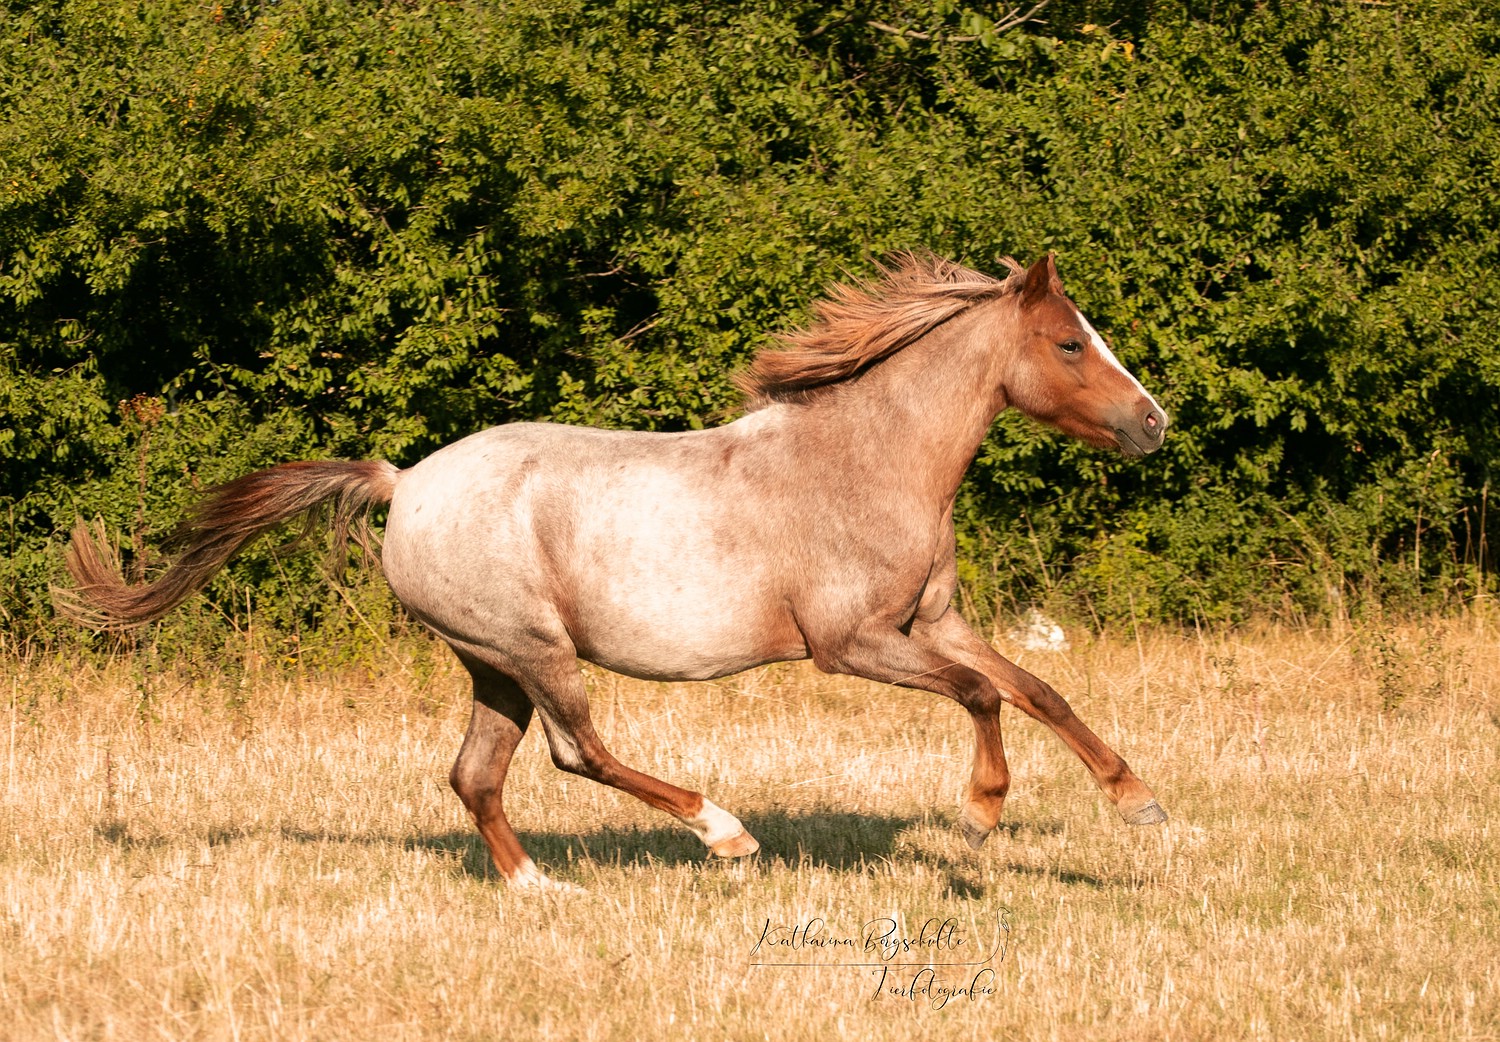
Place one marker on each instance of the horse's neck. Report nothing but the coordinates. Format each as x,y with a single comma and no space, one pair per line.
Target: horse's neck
924,410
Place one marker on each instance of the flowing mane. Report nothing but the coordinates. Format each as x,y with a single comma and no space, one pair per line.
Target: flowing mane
858,325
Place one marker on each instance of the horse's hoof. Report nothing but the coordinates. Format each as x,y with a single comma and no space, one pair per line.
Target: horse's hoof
561,886
1148,813
529,877
974,833
741,844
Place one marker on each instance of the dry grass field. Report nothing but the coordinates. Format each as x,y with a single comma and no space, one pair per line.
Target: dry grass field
247,855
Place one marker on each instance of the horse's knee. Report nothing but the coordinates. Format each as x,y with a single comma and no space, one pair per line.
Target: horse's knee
1055,706
1045,700
984,699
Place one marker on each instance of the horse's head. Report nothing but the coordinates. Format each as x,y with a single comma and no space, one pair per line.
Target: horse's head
1065,375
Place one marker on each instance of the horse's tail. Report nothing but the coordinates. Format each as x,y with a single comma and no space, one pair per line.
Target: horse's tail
226,519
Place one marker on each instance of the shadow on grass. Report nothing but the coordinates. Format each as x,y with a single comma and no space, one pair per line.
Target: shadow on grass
1071,878
836,840
843,842
959,870
122,835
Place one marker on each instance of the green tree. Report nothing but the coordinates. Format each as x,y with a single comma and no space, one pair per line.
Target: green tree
320,227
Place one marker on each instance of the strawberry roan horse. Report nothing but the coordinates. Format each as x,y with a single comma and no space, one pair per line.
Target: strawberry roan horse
819,525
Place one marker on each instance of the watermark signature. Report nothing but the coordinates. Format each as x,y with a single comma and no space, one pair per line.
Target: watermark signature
939,962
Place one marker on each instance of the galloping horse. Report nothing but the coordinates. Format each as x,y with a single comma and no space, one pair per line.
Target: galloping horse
819,525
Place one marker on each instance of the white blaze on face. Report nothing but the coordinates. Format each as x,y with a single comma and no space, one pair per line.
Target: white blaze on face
1109,357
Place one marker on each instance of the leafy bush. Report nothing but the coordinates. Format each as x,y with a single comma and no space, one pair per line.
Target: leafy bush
319,228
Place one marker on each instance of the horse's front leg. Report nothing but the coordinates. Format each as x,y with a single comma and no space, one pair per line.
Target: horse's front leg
881,651
950,635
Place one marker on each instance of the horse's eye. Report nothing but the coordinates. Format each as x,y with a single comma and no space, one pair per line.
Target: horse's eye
1070,347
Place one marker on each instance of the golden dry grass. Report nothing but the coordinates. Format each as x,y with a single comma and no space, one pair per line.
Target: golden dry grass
269,858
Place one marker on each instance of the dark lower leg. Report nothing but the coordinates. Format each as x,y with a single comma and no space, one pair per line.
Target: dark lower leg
578,749
1040,702
988,782
890,656
501,715
1113,775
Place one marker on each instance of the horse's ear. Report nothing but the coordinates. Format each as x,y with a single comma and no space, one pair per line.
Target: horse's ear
1041,281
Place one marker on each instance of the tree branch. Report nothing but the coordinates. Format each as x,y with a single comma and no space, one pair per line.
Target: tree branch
1011,19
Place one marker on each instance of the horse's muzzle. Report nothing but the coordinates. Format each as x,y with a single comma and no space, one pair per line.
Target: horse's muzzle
1141,435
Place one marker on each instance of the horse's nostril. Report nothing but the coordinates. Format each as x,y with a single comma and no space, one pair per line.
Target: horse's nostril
1153,428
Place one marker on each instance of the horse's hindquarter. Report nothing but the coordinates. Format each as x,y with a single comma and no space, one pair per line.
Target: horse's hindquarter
645,550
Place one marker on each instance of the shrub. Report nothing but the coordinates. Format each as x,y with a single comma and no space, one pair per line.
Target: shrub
323,228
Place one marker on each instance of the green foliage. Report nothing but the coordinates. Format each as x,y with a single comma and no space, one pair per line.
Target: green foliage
319,227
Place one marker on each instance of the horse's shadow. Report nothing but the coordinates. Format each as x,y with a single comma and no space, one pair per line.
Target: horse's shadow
835,840
831,839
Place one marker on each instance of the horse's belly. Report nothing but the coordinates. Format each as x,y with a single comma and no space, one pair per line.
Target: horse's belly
663,639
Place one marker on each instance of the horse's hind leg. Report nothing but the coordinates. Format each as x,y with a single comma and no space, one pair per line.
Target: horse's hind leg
557,691
501,714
